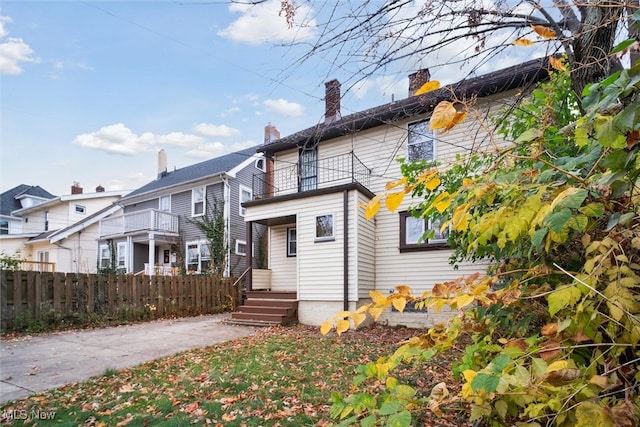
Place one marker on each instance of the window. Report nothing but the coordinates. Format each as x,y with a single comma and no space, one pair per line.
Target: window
105,256
46,220
292,242
412,232
4,227
308,169
324,227
43,256
80,209
197,201
421,142
165,203
260,164
198,257
122,255
241,247
246,194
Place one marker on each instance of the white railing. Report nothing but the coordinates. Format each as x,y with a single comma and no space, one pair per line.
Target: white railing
149,219
160,270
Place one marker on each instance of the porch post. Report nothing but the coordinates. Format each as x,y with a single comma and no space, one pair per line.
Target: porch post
249,260
152,253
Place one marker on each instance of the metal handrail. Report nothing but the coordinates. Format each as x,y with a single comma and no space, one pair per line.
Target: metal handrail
244,273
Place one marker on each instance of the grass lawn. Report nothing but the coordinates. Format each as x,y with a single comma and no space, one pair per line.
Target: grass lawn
279,377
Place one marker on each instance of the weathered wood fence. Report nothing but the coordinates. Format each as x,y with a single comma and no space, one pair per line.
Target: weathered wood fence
40,294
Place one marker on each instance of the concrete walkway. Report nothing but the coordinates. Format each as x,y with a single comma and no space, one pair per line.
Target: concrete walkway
34,364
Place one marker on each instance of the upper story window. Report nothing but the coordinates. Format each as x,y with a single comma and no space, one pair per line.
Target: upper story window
261,164
79,209
308,168
46,220
325,228
165,203
197,201
246,194
421,143
412,231
4,227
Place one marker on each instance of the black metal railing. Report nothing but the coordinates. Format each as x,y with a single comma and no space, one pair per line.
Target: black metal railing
329,172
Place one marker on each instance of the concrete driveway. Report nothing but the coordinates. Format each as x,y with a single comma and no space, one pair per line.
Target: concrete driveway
34,364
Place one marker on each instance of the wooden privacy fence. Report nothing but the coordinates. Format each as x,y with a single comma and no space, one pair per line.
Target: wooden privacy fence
37,295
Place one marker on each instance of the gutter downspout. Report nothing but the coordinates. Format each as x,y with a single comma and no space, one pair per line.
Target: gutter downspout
345,214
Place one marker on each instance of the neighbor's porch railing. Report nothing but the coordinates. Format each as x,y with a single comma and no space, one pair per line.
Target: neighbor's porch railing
329,171
41,266
149,219
160,270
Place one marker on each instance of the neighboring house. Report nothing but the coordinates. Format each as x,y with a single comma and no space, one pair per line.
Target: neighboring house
320,246
63,231
156,233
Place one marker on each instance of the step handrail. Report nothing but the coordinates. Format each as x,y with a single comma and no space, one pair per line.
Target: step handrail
244,273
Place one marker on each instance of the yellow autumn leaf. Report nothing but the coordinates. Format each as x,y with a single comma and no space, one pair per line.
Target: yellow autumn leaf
326,327
458,117
342,326
394,200
363,309
342,314
544,32
391,185
464,300
557,64
377,297
469,375
372,208
556,366
403,289
442,202
467,181
433,183
442,115
460,219
523,42
427,87
358,318
481,289
399,304
376,312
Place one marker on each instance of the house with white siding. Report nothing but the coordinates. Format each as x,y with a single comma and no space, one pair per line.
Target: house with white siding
322,252
156,232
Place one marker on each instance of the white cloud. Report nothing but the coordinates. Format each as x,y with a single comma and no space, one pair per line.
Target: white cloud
13,51
118,139
216,149
262,22
218,131
284,107
230,112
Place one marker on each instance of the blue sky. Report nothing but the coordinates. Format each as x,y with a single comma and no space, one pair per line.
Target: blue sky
91,90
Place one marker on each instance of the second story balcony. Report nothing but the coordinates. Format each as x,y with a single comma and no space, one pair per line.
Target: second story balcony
310,175
146,220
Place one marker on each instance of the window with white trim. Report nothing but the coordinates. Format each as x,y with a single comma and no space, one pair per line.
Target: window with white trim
325,227
246,194
121,252
420,142
80,209
105,256
198,257
241,247
46,220
292,242
4,227
261,164
165,203
197,201
412,233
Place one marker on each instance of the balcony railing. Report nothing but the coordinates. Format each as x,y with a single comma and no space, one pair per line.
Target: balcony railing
146,220
324,173
42,266
160,270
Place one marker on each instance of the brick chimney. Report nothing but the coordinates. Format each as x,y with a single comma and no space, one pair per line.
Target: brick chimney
417,79
76,189
162,163
332,102
271,133
99,189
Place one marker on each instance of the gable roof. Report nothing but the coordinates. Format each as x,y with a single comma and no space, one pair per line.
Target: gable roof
208,168
489,84
10,199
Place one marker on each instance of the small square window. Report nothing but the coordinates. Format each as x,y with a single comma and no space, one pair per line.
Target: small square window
80,209
241,247
292,242
412,233
324,227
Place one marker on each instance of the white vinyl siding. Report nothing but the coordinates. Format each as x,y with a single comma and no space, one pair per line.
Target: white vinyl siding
284,275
